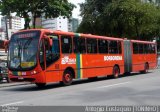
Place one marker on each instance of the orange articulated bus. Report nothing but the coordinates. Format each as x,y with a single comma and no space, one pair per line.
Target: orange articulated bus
43,56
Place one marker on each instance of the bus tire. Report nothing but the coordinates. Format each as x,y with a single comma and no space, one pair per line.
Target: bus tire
116,72
8,80
40,85
67,78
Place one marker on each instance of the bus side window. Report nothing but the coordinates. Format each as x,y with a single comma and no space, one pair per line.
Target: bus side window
91,45
135,48
141,49
52,49
79,45
145,48
66,43
103,46
119,47
113,47
153,48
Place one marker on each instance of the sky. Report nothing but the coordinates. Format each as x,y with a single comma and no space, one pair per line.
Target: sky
76,11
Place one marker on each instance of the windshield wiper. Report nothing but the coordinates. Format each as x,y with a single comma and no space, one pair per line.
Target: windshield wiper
27,43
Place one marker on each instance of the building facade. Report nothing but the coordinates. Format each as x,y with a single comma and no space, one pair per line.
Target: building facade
13,23
73,24
59,23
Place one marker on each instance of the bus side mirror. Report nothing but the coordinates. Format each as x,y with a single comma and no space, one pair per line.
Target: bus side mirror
45,37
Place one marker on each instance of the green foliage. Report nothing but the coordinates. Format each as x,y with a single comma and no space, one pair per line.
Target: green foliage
120,18
47,8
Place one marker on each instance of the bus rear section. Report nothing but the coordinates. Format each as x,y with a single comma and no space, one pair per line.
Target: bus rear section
140,56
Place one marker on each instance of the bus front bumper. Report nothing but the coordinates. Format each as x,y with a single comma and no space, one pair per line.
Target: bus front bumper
36,78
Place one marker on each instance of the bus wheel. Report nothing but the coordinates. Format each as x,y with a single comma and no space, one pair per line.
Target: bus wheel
67,78
116,72
40,85
8,80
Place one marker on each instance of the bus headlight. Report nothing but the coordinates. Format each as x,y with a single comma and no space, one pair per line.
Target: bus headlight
34,72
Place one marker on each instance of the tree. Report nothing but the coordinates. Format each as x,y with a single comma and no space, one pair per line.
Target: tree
120,18
133,18
92,13
18,6
36,8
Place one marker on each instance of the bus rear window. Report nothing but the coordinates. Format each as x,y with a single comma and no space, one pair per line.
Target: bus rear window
152,49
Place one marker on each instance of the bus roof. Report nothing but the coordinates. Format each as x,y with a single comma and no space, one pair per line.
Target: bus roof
81,34
144,42
100,37
84,35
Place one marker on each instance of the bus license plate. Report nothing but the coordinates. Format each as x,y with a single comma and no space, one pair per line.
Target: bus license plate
20,78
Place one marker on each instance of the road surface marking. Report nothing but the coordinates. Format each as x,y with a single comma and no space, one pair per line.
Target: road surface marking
114,85
12,103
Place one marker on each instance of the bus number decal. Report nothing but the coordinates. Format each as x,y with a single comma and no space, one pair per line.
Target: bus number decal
112,58
67,60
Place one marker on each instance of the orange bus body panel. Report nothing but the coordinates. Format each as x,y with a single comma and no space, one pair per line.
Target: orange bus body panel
85,65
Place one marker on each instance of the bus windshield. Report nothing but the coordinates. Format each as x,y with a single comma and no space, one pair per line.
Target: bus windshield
23,49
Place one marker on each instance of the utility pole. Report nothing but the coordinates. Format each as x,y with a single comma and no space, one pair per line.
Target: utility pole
6,22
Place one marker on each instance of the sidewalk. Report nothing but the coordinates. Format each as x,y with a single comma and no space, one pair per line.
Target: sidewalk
5,84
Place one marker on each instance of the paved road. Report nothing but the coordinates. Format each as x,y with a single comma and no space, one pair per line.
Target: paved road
138,89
